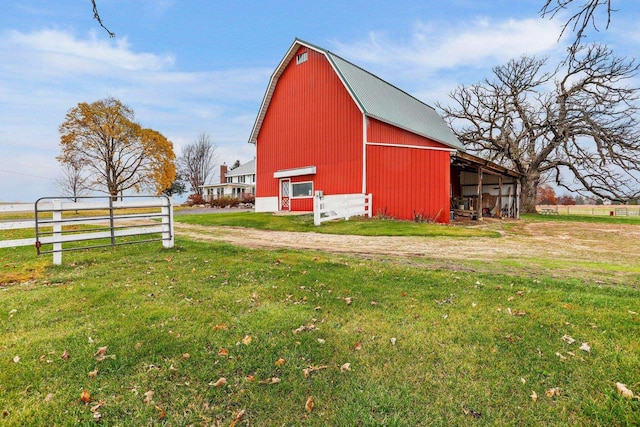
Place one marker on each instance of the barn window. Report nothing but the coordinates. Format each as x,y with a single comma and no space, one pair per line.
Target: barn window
302,189
301,58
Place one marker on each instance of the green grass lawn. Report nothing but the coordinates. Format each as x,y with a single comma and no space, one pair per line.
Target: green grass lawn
423,347
356,226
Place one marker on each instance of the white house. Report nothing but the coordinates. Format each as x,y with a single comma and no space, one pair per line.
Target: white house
236,183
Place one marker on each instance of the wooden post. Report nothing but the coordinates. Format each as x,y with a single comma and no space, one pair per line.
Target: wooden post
500,196
479,193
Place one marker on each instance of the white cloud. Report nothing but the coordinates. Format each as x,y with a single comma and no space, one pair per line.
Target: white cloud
60,51
473,44
48,72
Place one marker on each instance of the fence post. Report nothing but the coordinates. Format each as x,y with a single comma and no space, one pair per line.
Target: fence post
368,205
57,232
316,208
167,224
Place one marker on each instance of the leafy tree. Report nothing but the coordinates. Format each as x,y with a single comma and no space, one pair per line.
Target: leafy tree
567,200
599,202
577,125
178,187
197,161
117,154
580,200
546,195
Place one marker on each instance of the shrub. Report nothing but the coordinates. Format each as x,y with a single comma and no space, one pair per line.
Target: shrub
195,199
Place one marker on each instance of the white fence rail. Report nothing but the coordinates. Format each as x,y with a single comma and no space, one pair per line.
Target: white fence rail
327,208
54,222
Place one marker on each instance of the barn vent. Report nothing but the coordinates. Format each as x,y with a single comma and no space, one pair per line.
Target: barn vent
301,58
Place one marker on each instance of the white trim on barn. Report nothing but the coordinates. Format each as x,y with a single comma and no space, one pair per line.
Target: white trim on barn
288,173
420,147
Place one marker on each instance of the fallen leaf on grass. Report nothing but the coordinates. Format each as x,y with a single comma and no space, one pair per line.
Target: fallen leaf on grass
185,356
223,352
251,378
393,341
348,300
346,367
624,391
93,374
237,418
220,327
102,351
246,340
148,397
48,397
568,339
85,396
585,347
560,356
554,391
471,413
310,369
358,346
65,355
16,359
534,396
280,362
161,412
273,380
222,381
321,341
309,405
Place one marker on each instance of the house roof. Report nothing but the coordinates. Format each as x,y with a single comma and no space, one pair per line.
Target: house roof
375,98
248,168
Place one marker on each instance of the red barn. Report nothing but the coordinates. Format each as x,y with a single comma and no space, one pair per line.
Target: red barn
327,125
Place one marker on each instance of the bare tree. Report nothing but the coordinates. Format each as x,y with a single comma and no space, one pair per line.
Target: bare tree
577,124
96,16
581,17
72,183
197,162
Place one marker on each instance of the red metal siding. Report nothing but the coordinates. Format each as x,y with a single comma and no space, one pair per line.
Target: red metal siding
378,131
406,182
311,121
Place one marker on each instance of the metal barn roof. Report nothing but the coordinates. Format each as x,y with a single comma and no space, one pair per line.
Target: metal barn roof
375,98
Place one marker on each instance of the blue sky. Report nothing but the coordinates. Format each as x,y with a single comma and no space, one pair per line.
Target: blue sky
189,67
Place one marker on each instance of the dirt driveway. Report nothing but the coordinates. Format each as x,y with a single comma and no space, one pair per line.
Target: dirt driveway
604,253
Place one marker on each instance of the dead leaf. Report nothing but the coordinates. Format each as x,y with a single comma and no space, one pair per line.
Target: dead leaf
48,397
222,381
347,300
624,391
219,327
161,411
273,380
16,359
310,369
85,396
560,356
321,341
102,351
585,347
251,378
393,341
246,340
65,355
309,405
185,356
554,391
374,303
93,374
534,396
280,362
223,352
148,397
568,339
358,346
345,367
